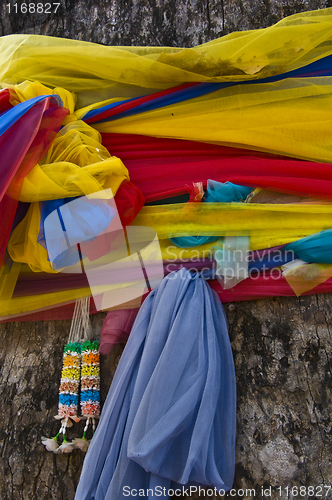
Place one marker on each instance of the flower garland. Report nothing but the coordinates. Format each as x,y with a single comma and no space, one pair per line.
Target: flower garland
90,380
70,380
90,389
68,397
80,370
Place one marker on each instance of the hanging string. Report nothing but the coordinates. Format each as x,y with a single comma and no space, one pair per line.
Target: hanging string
80,322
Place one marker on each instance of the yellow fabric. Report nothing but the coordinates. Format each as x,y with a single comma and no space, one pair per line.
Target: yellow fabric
22,305
76,164
257,242
306,277
28,90
265,224
8,280
23,246
33,303
96,73
290,117
28,304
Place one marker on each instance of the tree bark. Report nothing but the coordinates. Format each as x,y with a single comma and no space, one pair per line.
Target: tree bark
281,346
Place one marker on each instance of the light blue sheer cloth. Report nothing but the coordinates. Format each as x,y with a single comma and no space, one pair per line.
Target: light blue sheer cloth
170,415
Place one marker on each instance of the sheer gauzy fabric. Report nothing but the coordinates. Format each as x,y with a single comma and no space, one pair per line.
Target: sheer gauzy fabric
290,118
250,108
26,131
169,418
96,73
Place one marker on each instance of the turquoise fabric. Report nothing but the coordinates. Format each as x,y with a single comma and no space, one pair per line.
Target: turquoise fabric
314,248
217,192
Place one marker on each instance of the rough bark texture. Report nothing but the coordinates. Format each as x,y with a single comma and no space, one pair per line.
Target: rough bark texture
282,347
152,22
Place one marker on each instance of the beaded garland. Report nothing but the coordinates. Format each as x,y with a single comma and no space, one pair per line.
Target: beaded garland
70,380
80,379
90,379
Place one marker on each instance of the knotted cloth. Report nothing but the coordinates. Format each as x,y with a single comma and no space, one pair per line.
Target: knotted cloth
169,418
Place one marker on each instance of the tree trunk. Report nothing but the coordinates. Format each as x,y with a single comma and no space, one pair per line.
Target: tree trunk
281,346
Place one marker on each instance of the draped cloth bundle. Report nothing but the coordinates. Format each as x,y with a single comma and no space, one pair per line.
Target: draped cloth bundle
251,108
169,418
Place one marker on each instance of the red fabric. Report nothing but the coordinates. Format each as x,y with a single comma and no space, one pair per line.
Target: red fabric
129,201
21,147
126,106
4,100
162,167
132,146
261,287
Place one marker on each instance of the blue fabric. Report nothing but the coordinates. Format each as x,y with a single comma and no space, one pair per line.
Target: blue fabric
96,112
217,192
314,248
271,260
68,221
170,414
225,192
192,241
8,118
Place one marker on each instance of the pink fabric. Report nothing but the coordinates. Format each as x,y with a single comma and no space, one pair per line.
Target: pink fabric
116,328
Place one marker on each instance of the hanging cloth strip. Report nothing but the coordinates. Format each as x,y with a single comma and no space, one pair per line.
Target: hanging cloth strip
173,395
116,328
